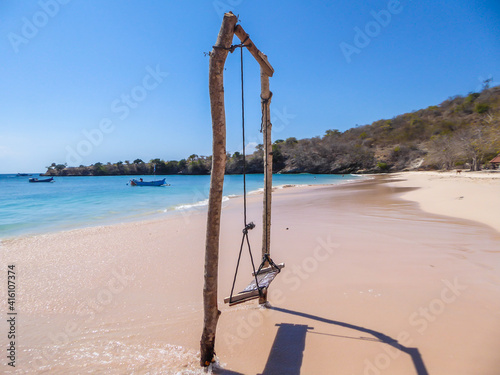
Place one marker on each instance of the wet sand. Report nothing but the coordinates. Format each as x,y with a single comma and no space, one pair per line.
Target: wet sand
372,285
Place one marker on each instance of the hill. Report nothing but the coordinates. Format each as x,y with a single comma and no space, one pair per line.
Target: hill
461,132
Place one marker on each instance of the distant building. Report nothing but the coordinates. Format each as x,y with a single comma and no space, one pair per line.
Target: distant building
495,161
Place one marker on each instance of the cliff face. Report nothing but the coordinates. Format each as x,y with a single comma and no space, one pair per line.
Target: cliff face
463,132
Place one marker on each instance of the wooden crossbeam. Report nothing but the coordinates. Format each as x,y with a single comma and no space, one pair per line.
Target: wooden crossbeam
259,56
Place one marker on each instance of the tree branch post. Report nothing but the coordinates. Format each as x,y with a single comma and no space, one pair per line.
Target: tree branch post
266,95
218,57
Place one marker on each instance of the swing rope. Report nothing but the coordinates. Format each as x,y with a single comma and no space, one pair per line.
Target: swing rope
251,225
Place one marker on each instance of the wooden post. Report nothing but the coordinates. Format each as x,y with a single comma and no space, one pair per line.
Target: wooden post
265,95
216,87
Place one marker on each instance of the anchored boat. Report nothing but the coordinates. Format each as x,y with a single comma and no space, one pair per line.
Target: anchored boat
140,182
44,180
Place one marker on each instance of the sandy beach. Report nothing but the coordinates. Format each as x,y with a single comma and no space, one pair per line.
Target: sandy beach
397,274
468,195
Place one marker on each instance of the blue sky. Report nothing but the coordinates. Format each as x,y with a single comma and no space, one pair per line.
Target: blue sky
89,81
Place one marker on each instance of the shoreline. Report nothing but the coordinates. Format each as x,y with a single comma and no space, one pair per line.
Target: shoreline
183,209
420,184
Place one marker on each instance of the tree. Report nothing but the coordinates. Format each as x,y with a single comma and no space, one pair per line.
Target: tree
99,169
182,165
481,108
290,142
198,167
445,150
477,142
278,158
138,161
486,83
172,167
333,133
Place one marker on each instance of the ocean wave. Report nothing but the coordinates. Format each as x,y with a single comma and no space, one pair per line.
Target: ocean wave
284,186
198,204
257,191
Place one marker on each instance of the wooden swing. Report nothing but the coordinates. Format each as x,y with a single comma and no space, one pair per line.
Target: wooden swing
257,288
267,270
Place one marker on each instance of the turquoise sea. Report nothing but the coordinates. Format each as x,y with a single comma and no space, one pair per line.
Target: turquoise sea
75,202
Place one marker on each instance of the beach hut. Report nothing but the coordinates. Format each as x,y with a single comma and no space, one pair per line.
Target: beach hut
495,161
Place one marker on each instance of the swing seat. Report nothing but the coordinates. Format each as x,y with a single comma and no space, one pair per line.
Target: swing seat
264,279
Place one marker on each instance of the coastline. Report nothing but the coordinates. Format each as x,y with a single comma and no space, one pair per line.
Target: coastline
74,204
362,266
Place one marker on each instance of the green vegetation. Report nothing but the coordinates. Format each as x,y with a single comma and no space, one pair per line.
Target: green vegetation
482,108
382,166
461,131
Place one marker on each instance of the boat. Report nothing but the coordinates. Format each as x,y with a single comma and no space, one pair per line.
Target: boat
45,180
135,182
23,174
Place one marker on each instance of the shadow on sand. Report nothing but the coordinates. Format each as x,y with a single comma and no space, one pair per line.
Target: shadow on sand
289,344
